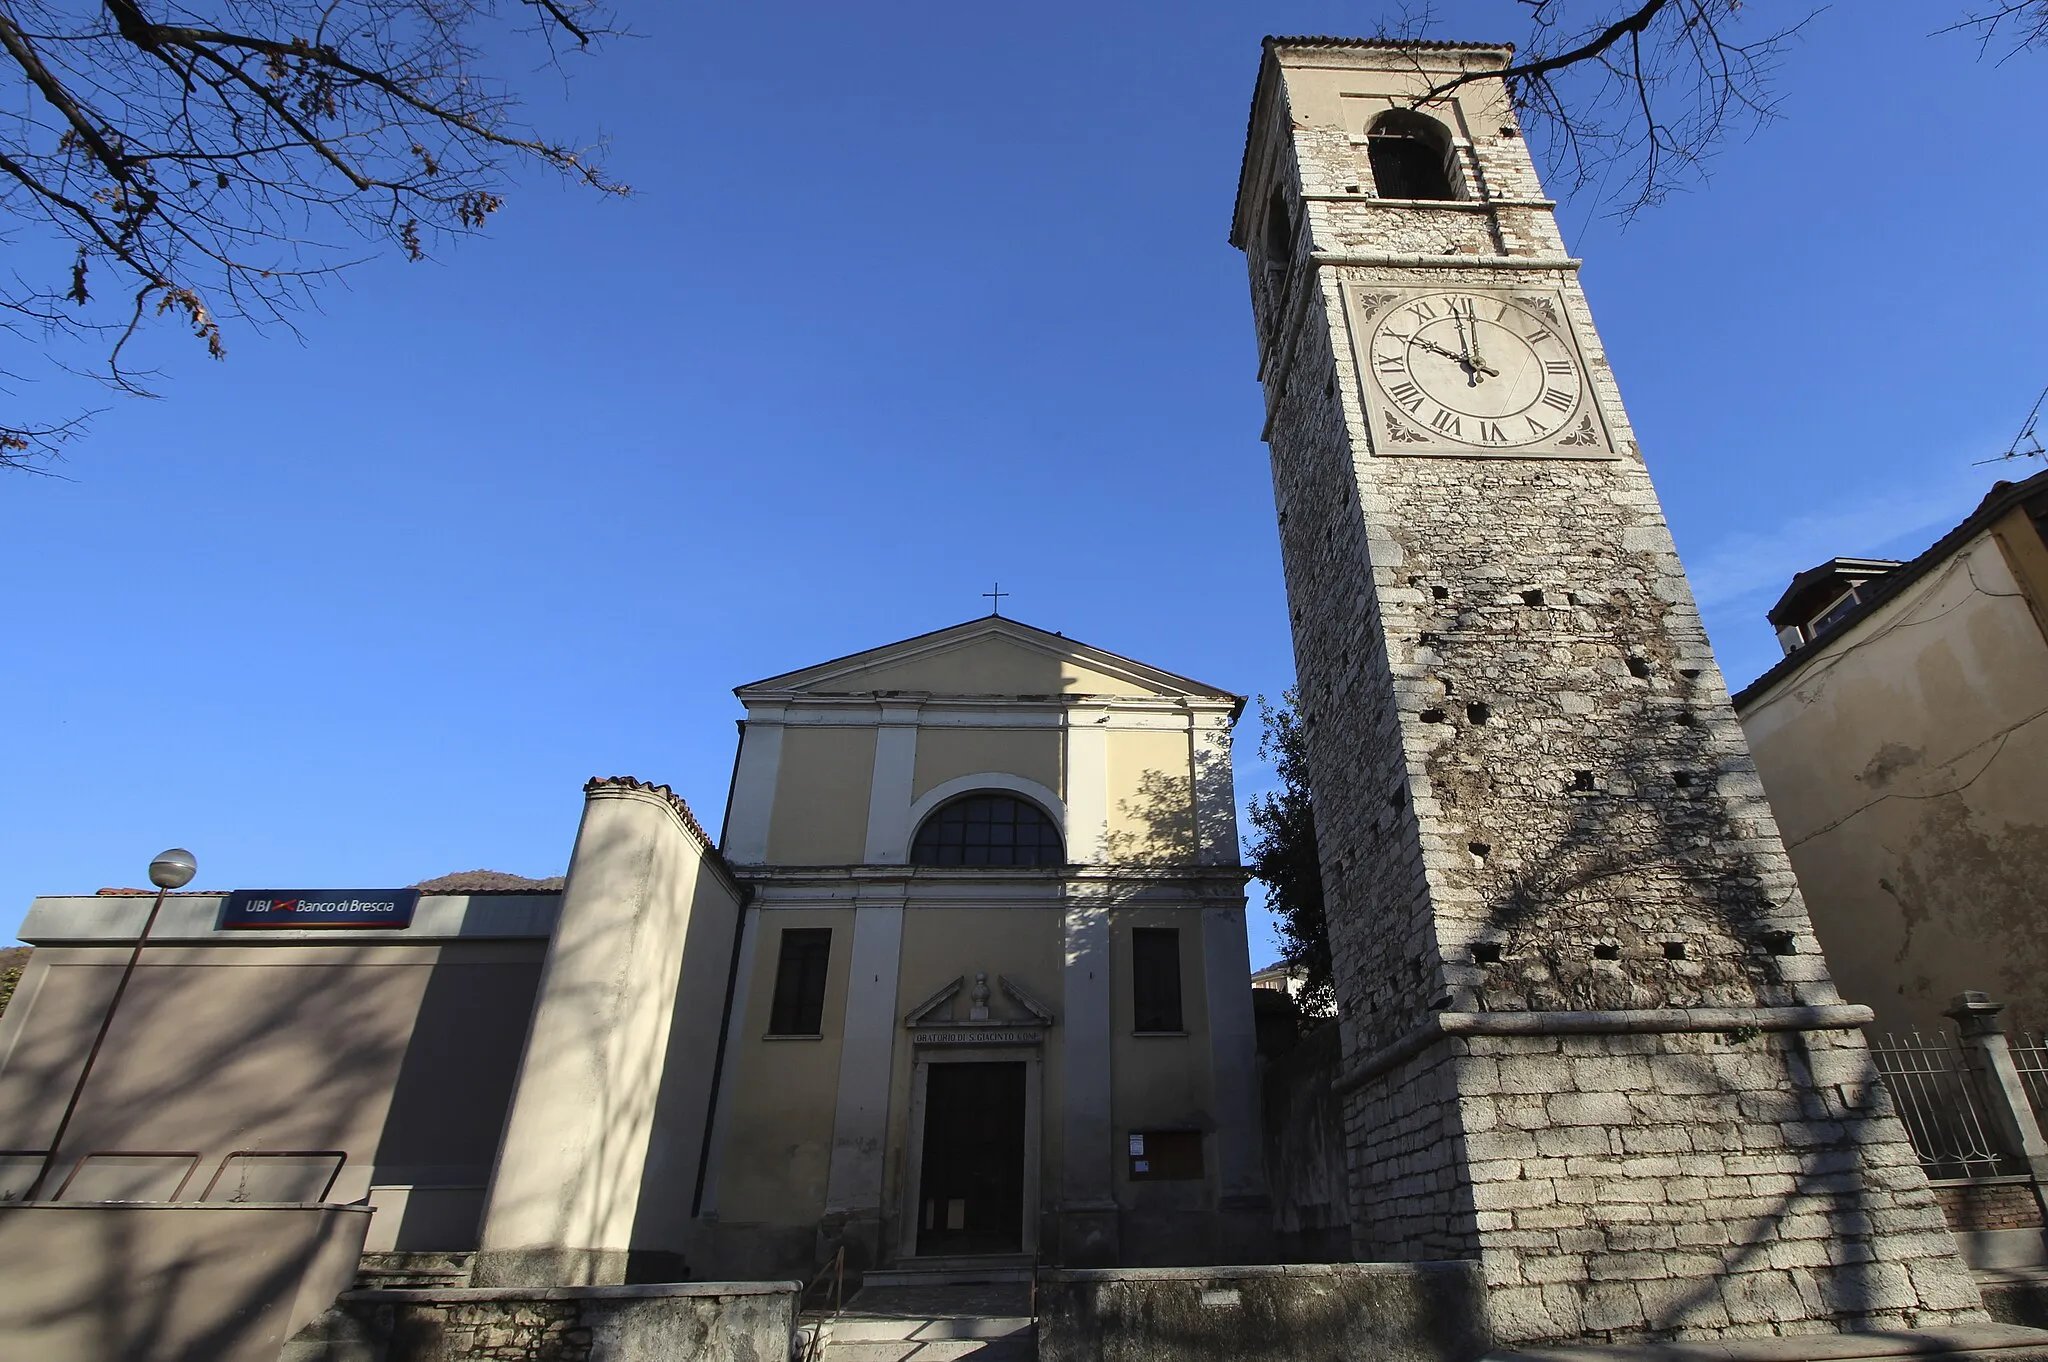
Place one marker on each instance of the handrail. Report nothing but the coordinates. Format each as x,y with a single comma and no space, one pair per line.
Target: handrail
191,1157
837,1267
196,1158
340,1157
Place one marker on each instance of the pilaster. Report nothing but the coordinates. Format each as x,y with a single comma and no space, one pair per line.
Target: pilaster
753,786
1234,1059
860,1122
1087,784
889,800
1088,1211
1215,790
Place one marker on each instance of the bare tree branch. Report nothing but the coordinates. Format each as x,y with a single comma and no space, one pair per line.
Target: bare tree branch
222,157
1629,98
2020,25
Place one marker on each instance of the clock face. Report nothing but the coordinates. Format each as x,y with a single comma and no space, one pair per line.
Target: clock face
1478,369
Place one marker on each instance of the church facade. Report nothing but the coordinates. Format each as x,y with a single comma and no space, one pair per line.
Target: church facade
1014,861
965,976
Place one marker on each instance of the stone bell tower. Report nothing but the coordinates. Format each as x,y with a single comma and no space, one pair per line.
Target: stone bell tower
1589,1037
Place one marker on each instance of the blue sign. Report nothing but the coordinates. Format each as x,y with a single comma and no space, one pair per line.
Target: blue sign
299,908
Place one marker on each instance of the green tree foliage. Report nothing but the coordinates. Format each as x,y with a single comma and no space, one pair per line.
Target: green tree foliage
13,960
1283,852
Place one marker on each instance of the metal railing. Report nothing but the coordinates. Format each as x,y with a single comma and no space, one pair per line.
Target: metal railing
2030,1057
1937,1098
294,1176
809,1348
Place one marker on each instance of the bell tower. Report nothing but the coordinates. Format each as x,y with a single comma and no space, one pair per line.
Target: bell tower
1589,1038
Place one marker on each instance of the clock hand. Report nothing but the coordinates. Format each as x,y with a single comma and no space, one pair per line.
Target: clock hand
1453,354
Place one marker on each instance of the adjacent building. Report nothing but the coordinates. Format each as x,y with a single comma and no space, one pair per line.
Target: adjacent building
1903,740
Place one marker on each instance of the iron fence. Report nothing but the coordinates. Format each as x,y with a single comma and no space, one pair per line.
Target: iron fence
2030,1057
1937,1098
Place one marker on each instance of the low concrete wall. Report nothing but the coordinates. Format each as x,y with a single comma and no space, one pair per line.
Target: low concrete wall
669,1322
1322,1312
160,1282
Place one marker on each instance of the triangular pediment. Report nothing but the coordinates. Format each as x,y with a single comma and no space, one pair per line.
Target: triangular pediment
991,656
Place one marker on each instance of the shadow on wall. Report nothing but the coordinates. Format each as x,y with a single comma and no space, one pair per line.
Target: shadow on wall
449,1102
1645,889
169,1283
405,1067
1158,822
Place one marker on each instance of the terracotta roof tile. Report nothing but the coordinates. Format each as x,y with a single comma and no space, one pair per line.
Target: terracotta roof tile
675,801
1427,44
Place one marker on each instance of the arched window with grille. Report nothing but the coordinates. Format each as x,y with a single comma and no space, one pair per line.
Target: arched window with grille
988,828
1410,156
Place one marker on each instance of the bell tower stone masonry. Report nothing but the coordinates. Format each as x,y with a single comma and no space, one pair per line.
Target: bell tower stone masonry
1589,1038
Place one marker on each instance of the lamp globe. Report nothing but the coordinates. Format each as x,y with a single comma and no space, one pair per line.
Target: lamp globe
173,869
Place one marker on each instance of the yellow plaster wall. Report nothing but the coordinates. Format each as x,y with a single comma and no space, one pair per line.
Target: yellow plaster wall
1160,1082
945,754
990,666
1907,764
820,815
778,1146
1151,798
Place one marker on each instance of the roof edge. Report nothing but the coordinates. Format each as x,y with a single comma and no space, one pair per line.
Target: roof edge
767,686
1996,503
1276,40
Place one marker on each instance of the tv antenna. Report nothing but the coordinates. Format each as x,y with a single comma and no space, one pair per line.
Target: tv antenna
2026,444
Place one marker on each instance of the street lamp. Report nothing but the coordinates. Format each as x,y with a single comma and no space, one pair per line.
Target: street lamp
170,870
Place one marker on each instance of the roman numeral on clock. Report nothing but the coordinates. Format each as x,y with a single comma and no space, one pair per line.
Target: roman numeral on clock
1557,366
1423,310
1390,364
1560,400
1448,424
1407,396
1491,433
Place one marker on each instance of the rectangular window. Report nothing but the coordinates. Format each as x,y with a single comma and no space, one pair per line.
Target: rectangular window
1155,978
800,982
1165,1155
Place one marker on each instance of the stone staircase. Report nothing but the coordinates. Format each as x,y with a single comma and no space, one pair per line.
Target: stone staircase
413,1271
937,1312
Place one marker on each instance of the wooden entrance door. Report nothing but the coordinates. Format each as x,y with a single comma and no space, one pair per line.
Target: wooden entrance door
971,1189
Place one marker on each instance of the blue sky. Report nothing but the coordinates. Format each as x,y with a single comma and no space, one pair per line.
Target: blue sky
911,298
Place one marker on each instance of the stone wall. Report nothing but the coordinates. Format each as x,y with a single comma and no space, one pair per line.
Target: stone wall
1424,1312
700,1321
